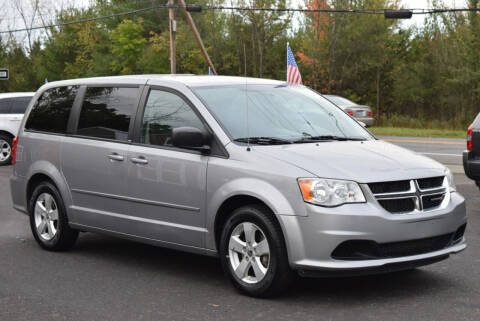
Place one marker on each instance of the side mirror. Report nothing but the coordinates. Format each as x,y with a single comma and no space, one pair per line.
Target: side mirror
190,138
362,123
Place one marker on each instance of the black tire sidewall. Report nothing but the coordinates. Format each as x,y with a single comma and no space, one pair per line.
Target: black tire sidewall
9,140
258,217
46,187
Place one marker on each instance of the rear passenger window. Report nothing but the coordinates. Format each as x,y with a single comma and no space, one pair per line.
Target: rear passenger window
5,106
163,112
52,110
19,105
106,112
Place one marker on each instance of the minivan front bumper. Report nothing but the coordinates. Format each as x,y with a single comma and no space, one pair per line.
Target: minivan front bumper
311,240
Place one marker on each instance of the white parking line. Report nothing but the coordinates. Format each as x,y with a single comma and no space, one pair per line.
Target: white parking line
439,154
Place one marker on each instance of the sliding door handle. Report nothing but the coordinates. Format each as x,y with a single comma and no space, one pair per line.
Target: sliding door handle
116,157
139,160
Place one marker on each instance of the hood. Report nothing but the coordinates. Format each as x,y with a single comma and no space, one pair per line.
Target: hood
363,162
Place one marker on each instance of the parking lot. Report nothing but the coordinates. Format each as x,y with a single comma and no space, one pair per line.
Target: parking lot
105,278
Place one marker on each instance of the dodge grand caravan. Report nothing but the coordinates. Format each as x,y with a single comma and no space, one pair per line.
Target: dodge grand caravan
271,178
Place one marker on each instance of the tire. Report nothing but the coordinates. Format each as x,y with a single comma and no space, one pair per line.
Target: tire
477,182
48,219
258,275
5,150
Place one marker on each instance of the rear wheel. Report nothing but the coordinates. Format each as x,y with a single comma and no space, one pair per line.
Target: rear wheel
48,219
5,150
253,253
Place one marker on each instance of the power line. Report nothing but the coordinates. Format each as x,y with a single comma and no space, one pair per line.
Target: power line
113,15
361,11
198,8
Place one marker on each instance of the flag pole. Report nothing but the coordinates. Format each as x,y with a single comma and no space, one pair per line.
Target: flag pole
286,72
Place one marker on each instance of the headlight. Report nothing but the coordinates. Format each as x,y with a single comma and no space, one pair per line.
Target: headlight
450,180
330,192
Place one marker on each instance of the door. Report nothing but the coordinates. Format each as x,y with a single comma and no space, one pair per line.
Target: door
94,157
167,184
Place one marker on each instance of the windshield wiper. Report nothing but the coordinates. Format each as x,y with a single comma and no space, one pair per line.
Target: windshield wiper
263,140
311,139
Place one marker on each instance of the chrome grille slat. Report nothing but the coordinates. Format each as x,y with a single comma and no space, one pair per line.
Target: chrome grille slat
396,202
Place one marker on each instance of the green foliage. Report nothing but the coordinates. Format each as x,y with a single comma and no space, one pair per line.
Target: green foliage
417,132
412,77
127,45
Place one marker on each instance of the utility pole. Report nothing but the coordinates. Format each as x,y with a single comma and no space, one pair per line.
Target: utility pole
197,36
173,28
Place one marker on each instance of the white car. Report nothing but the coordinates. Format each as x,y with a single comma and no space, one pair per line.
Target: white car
12,108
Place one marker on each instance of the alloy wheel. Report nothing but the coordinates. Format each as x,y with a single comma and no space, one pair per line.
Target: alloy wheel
5,150
249,252
46,216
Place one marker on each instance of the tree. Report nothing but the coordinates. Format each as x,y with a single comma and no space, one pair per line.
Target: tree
127,45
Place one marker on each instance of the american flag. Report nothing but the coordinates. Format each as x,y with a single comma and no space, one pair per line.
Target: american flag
293,74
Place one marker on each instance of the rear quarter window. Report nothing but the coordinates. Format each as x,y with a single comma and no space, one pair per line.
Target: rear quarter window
51,111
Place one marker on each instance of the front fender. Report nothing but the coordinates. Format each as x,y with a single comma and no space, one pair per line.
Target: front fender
262,190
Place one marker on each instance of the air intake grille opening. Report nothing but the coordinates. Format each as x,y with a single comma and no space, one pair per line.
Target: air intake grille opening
398,205
429,183
370,250
389,187
459,233
432,201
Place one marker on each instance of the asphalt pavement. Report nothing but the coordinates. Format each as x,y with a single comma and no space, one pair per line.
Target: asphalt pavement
447,151
104,278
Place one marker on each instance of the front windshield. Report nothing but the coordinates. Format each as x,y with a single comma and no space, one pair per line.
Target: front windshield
293,113
340,101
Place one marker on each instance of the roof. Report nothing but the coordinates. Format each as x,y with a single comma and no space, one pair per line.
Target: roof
17,94
188,80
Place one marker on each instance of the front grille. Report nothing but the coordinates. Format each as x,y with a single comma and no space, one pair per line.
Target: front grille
389,187
398,205
432,201
370,250
429,183
400,197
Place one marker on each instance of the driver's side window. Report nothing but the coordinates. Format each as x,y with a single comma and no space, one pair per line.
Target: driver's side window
163,112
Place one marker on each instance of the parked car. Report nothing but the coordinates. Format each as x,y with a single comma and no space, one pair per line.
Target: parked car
471,157
284,183
361,113
12,108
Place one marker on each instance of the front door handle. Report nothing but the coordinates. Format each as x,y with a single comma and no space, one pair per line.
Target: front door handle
139,160
116,157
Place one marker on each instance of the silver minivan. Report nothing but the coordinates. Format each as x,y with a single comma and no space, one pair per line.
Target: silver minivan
272,178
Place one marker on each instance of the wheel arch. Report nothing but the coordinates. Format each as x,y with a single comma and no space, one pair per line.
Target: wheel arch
234,202
34,181
7,133
45,171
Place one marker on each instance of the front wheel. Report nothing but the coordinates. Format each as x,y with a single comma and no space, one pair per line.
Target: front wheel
253,253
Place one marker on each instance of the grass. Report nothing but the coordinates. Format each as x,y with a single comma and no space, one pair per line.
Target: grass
418,132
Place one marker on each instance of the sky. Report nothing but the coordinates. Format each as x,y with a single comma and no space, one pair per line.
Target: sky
418,19
10,18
